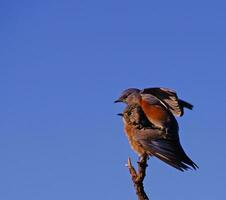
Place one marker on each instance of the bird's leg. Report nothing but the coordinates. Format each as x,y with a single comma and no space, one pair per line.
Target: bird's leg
142,157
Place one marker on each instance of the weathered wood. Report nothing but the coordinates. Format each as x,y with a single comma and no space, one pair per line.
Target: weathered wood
138,176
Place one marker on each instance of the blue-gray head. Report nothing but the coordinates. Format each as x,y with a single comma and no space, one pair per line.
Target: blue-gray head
131,95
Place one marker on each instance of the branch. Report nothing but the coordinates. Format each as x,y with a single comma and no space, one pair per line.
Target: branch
138,177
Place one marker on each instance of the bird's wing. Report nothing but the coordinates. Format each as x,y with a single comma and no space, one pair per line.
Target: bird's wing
168,149
156,112
169,98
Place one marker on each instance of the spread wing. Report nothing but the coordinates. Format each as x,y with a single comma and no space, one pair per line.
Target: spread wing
156,111
169,149
170,99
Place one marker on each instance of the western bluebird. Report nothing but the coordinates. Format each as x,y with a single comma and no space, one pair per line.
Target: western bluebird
157,103
151,127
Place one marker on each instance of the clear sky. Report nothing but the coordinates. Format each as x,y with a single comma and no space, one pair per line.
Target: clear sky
63,63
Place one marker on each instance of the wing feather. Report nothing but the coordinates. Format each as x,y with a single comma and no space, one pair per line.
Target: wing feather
169,98
170,152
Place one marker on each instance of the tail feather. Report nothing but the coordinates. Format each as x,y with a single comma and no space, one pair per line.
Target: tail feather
185,104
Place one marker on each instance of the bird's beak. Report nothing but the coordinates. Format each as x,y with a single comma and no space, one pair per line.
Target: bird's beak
118,101
120,114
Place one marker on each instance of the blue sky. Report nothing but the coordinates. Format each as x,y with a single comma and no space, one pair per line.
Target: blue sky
63,63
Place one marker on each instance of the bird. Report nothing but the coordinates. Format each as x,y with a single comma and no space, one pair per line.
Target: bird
151,127
157,103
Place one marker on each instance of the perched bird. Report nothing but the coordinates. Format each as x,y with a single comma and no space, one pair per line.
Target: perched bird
157,104
151,127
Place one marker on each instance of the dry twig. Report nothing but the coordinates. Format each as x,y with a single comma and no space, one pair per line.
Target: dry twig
138,177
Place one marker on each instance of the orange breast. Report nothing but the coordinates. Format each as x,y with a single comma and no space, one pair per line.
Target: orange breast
129,130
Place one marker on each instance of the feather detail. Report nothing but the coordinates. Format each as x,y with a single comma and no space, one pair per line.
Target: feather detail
169,151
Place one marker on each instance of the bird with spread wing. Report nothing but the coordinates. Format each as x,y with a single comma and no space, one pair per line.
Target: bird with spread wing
151,126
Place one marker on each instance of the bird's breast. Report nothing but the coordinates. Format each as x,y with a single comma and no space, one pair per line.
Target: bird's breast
135,145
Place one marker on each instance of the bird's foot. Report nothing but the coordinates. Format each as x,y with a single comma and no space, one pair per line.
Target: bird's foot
143,159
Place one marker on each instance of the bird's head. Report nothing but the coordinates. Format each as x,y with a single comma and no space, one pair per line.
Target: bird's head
129,96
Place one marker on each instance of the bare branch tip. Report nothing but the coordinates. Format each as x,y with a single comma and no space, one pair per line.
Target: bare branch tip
129,164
